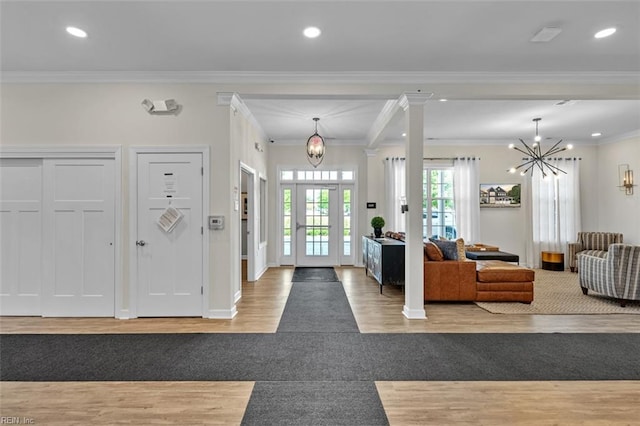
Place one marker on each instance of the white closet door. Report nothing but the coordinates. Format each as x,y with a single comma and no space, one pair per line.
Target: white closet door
79,228
20,236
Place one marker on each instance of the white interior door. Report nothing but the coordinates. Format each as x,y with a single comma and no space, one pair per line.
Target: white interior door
20,236
169,264
316,226
79,233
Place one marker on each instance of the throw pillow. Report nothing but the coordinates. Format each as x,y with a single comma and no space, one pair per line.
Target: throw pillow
460,249
433,252
448,248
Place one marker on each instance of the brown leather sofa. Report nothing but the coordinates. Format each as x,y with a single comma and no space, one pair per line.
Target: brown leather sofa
449,280
468,280
498,281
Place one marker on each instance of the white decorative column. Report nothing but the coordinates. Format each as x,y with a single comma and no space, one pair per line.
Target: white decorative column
413,106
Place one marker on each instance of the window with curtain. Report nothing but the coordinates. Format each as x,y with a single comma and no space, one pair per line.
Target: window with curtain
450,197
438,206
555,209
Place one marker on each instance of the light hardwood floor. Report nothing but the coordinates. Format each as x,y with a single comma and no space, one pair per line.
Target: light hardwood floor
406,403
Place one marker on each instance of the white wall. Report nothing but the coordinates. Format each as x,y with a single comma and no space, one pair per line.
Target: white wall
618,212
501,227
111,114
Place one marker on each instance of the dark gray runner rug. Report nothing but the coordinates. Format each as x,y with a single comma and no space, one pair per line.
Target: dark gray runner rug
317,307
303,274
319,357
315,403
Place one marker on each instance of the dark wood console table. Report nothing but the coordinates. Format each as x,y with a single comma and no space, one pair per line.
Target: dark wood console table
383,259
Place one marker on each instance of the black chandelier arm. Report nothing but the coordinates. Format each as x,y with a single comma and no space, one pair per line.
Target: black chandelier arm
553,149
552,167
530,151
531,161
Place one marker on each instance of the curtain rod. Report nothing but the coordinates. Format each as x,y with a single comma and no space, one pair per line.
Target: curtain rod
436,158
557,158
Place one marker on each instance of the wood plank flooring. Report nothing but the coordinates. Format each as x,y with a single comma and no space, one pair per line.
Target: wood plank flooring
406,403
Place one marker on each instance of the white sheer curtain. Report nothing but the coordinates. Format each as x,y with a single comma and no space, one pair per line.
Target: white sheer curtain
466,198
394,188
554,204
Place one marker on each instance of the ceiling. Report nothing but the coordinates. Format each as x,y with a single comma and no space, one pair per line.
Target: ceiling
250,39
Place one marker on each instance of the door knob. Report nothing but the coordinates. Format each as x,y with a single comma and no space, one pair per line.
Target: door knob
141,243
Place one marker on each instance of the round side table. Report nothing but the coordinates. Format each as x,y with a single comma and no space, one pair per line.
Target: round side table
552,260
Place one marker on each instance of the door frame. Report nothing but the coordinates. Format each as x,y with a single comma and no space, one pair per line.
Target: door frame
251,222
113,152
133,219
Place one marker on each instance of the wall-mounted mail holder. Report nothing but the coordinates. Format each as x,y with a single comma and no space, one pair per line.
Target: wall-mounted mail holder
216,222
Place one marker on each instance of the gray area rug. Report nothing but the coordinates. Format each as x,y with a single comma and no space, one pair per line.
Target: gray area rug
302,274
318,307
315,403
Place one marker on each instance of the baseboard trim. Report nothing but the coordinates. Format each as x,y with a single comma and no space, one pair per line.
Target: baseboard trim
237,296
414,313
222,313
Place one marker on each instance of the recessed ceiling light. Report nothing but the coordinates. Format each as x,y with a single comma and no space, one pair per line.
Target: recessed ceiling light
311,32
443,100
596,134
77,32
605,33
404,134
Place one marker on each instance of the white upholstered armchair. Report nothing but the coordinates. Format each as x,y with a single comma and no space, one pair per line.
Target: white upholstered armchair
616,275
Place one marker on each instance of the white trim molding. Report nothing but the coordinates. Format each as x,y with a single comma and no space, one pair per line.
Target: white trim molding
222,313
414,313
341,77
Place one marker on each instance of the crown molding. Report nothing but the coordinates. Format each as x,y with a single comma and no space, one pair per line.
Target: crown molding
235,102
620,138
351,77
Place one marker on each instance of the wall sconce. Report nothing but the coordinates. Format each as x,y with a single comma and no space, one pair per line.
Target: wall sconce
404,207
625,175
164,107
258,147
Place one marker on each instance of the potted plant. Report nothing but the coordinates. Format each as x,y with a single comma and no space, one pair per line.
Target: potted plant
377,223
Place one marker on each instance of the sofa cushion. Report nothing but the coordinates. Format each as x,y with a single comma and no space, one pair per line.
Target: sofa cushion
498,271
460,249
433,252
452,250
448,248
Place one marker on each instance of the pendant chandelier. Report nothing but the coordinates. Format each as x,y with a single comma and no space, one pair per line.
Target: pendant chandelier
536,158
315,147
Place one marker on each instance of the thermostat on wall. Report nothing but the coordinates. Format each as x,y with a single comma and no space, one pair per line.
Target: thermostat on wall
216,222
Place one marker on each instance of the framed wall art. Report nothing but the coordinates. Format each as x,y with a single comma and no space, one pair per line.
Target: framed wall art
500,195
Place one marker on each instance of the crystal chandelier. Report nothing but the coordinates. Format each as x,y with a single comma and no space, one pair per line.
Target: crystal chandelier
315,147
536,158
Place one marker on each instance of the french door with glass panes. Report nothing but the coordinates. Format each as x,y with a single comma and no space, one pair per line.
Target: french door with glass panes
316,225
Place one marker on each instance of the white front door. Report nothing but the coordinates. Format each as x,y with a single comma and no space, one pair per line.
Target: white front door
169,264
20,236
316,226
78,234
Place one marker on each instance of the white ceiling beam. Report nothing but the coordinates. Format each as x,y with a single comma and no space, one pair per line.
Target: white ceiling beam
376,131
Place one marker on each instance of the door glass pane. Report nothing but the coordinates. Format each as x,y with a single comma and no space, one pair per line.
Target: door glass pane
317,221
286,221
346,226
